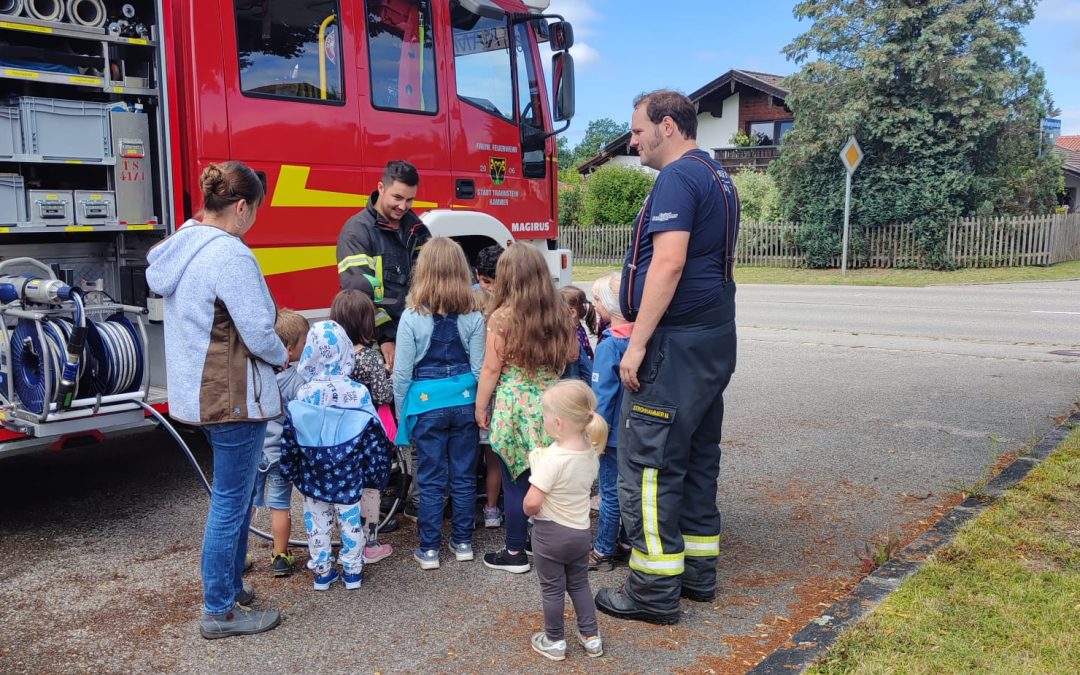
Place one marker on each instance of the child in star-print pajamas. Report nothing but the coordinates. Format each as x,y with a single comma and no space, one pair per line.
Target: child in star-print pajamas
333,445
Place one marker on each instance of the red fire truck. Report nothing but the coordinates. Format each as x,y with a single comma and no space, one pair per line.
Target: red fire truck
110,109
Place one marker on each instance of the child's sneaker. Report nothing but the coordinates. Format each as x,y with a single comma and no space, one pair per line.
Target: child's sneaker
556,651
517,563
283,564
323,582
492,516
249,561
376,552
600,563
462,552
429,559
353,581
593,645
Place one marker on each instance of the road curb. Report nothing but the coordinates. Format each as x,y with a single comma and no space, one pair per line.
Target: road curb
810,642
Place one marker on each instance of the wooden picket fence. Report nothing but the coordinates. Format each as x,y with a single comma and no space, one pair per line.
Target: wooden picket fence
998,242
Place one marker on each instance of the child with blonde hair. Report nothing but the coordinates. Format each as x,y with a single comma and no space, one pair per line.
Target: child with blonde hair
558,500
530,341
272,490
606,384
440,347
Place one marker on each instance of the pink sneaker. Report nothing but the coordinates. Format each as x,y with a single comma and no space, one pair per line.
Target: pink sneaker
376,552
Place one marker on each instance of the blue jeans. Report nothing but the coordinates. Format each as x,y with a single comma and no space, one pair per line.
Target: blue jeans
237,451
517,523
446,442
608,526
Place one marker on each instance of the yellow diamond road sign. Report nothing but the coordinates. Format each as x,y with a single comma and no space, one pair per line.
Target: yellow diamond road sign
851,155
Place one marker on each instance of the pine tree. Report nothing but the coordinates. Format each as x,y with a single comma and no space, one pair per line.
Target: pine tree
944,103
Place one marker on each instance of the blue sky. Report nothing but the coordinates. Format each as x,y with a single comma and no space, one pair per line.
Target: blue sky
624,47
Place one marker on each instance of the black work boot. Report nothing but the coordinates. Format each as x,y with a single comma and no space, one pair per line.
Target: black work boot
238,621
615,602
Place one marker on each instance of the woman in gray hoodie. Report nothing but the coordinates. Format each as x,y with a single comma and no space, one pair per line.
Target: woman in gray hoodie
221,351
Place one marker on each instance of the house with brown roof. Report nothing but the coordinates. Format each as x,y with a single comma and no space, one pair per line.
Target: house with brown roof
1069,149
738,101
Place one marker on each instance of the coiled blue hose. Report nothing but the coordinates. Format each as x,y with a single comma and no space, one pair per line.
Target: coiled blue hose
111,364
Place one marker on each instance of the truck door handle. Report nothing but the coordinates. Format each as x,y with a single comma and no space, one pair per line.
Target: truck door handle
465,188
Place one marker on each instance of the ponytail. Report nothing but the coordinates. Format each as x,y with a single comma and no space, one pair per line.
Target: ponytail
590,317
596,431
575,402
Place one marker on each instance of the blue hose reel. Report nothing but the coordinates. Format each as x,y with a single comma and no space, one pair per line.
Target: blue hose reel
57,354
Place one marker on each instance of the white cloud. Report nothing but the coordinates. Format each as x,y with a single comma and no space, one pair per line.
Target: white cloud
1058,11
579,13
1070,121
584,54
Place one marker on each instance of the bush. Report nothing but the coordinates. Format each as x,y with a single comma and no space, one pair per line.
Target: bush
571,198
759,199
614,195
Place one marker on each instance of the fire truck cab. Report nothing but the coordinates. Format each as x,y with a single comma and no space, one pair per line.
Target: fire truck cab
113,108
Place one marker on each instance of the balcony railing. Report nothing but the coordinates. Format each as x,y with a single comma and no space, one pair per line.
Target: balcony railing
754,157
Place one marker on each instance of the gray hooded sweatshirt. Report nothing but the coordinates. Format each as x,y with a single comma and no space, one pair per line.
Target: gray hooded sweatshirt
220,344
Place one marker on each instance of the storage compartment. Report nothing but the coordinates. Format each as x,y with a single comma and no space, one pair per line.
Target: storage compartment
12,199
94,207
58,129
50,207
10,132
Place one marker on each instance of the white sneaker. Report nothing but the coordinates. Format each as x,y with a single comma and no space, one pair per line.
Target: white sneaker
492,516
594,646
428,559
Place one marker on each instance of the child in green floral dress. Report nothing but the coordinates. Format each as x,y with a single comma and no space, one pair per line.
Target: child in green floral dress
530,341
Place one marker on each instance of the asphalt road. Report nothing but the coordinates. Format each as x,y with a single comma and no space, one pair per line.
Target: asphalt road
853,416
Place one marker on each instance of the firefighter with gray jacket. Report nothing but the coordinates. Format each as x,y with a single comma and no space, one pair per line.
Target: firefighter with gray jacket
677,288
377,249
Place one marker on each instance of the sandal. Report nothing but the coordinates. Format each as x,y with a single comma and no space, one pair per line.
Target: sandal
600,563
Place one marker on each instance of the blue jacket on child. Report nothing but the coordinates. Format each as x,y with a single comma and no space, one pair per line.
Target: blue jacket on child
606,383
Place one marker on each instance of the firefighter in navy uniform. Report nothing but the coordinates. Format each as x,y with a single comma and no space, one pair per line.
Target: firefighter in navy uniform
377,249
678,290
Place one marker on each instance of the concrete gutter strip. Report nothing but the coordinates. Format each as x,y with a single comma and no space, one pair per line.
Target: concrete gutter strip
815,638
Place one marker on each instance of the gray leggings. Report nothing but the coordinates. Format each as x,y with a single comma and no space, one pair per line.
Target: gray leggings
561,556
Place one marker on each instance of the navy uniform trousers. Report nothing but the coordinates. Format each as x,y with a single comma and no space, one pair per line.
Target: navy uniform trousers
669,455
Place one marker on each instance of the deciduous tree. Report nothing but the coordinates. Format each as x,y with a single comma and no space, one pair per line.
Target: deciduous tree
944,103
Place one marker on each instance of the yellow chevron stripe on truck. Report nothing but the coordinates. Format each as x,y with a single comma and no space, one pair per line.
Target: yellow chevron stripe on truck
285,259
292,190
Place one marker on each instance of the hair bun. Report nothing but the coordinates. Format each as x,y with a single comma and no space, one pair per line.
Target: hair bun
213,181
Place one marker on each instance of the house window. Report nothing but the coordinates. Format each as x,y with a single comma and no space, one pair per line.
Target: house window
401,53
290,50
482,62
769,133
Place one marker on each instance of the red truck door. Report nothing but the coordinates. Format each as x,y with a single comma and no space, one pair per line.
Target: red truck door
404,114
496,90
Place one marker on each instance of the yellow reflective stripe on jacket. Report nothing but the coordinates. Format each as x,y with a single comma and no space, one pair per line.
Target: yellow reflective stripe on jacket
702,547
373,263
649,519
381,317
358,260
664,565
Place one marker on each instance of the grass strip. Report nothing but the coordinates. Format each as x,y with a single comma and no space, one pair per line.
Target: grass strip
874,277
1002,597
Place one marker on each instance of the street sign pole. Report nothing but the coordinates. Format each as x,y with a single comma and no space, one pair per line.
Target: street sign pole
852,157
847,224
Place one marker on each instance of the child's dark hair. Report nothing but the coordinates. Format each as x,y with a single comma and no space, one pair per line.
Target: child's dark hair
575,298
355,311
487,259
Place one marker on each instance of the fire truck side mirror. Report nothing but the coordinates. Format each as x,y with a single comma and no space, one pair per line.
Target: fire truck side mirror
562,36
562,86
